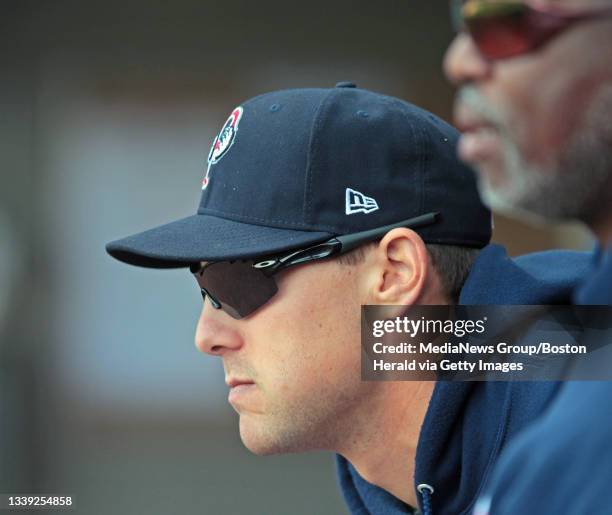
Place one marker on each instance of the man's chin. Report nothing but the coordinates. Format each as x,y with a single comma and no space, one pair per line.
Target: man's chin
260,450
493,185
498,203
258,440
512,189
263,438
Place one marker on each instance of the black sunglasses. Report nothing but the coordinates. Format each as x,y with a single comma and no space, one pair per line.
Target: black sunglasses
502,29
240,287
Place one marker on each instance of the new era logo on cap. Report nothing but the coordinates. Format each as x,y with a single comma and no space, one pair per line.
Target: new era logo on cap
357,202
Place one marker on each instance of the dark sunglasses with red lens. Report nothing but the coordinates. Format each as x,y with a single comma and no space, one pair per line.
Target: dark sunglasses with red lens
240,287
502,29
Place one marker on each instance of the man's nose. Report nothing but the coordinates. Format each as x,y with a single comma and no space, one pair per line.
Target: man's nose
464,63
215,333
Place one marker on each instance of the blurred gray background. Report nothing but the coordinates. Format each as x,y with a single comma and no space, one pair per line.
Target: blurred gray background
107,112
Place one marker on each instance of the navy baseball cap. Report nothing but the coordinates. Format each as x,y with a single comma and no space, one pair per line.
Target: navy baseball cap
296,167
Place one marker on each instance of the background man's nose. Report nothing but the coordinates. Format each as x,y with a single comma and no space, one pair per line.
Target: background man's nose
214,333
463,62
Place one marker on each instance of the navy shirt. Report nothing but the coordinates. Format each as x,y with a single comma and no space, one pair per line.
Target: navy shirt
563,462
467,424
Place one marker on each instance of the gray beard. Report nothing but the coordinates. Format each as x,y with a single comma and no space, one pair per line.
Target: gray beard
578,184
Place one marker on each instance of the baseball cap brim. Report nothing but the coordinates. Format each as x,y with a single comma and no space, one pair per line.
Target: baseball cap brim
206,238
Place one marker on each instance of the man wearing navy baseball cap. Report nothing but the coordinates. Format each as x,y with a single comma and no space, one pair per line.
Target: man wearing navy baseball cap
314,203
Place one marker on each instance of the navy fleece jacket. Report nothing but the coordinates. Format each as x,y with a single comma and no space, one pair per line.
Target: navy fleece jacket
467,424
563,462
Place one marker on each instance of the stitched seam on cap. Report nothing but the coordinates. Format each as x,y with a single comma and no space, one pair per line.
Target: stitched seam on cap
420,140
314,133
266,221
424,160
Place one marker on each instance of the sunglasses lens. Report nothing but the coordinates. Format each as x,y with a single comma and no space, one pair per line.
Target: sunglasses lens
239,287
499,29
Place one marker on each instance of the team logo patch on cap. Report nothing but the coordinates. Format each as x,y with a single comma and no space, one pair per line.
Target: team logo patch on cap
223,142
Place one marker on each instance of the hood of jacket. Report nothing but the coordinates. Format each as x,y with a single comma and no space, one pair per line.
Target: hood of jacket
468,423
576,427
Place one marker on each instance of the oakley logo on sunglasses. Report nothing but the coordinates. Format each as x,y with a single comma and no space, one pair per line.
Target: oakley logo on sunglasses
265,264
222,142
357,202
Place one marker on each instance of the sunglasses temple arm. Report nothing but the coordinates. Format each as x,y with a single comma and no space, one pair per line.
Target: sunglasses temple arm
341,244
352,241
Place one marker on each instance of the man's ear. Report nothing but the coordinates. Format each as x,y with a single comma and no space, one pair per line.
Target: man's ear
401,268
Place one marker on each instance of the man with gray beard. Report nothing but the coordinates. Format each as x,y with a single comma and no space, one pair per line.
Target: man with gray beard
534,107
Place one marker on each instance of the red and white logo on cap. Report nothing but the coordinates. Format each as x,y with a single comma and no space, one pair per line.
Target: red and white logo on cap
223,142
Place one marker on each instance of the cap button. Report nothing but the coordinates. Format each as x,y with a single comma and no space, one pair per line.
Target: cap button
345,84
